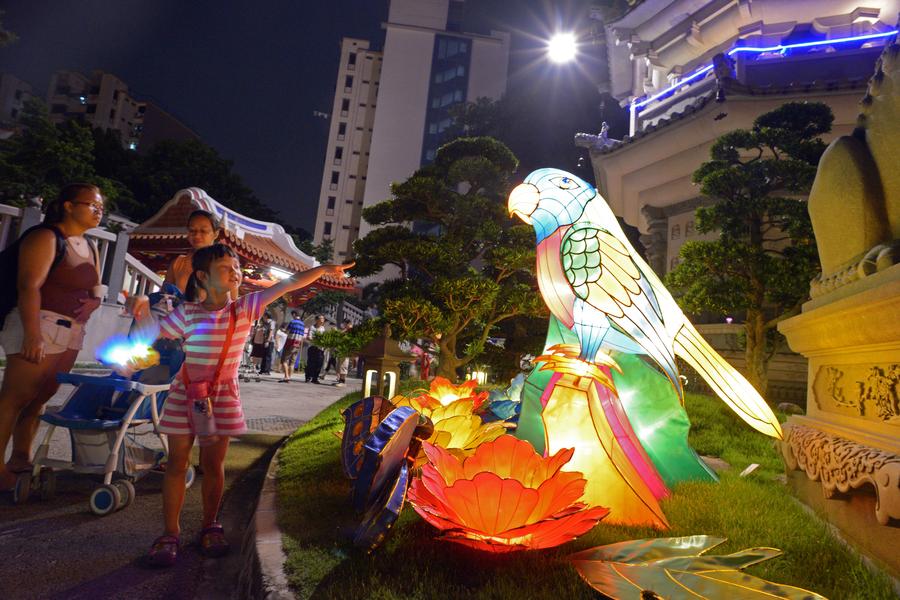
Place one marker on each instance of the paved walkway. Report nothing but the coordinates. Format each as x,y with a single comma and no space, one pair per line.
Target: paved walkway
58,549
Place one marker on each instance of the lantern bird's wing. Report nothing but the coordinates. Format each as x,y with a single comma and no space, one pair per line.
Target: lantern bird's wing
604,276
728,384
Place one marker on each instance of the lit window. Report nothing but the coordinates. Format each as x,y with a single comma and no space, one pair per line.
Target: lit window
132,145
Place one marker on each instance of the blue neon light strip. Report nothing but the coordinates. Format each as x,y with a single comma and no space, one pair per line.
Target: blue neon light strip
635,106
245,222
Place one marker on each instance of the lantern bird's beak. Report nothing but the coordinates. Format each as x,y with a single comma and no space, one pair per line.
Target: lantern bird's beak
523,201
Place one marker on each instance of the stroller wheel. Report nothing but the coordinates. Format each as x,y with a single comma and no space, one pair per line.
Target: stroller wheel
105,500
47,484
190,476
23,488
126,493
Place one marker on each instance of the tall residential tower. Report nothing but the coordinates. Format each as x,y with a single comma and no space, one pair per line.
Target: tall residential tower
429,65
347,153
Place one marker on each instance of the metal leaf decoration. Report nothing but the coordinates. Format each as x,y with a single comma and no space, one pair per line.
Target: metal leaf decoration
678,568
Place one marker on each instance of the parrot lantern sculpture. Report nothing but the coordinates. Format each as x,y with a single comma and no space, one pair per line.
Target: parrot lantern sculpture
596,285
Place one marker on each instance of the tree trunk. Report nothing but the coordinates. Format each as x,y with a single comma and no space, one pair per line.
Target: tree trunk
755,352
447,360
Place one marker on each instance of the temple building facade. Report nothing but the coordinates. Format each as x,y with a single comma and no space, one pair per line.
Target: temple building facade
689,71
722,64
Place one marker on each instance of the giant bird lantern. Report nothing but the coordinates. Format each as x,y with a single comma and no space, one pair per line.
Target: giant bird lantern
608,384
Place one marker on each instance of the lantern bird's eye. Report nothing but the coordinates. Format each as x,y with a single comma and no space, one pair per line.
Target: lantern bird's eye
564,183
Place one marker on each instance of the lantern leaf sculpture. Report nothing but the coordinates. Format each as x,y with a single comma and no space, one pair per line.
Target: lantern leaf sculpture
678,568
504,497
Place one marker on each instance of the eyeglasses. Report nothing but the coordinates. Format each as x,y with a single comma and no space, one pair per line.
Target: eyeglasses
97,208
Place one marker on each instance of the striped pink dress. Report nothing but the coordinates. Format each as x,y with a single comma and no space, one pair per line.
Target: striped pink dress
204,332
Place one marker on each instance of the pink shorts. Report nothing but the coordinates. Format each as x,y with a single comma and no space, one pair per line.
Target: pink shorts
227,411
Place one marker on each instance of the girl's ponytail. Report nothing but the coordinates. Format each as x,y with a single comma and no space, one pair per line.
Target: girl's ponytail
192,288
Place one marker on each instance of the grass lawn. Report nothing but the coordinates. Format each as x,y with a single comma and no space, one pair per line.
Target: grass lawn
317,522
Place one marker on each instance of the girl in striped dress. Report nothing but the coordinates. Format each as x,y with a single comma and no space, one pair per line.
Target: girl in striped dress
214,332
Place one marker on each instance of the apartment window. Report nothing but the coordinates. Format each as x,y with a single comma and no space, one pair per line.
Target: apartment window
347,227
348,201
342,131
348,83
351,61
112,114
326,228
331,201
338,154
345,107
334,180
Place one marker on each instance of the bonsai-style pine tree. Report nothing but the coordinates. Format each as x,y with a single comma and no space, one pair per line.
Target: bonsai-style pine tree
463,266
761,264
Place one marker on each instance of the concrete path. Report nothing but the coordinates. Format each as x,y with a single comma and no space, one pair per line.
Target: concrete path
58,549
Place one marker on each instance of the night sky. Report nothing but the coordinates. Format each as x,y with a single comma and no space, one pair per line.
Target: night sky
247,76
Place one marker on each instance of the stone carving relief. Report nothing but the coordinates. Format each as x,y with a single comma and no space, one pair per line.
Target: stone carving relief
868,391
841,465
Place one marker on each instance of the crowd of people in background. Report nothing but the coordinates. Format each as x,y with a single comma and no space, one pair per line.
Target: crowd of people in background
281,348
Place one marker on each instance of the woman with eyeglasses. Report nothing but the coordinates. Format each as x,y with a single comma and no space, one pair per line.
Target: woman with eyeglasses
58,283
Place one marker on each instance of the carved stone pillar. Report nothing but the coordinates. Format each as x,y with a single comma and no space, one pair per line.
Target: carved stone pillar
655,241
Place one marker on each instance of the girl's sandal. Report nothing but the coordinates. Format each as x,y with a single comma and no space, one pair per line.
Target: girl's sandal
212,541
164,551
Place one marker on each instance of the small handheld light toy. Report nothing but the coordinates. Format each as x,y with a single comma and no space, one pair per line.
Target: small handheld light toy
135,355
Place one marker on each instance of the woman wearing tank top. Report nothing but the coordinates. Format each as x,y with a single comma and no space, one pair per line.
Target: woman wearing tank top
43,334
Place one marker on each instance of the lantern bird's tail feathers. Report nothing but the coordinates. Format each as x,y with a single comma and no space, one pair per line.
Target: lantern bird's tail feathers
724,379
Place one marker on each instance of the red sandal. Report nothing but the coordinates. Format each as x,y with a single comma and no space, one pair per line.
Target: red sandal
164,551
212,541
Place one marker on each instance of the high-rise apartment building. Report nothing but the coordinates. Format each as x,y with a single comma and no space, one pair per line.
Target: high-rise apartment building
13,94
103,101
429,66
349,141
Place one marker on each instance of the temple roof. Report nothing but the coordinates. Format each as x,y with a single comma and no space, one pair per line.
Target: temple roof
261,245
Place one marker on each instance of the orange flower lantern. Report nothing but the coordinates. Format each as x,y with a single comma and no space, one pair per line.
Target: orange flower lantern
504,497
452,410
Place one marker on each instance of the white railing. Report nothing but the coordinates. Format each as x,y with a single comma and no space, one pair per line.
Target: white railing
139,279
9,224
105,241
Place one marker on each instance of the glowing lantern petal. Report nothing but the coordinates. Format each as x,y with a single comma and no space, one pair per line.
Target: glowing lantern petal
504,497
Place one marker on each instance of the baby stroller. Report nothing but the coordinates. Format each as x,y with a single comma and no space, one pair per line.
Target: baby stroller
104,415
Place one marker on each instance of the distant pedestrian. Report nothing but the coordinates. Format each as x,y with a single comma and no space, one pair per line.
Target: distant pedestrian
263,338
315,356
296,331
344,366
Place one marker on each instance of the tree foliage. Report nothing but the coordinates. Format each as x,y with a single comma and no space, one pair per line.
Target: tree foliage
46,156
761,264
464,266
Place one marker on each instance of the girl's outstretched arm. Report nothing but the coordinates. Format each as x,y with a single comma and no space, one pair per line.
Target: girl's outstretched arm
301,280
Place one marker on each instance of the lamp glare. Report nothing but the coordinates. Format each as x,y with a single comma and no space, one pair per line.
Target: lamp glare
562,47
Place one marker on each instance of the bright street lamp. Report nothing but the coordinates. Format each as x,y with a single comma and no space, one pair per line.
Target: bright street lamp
562,47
